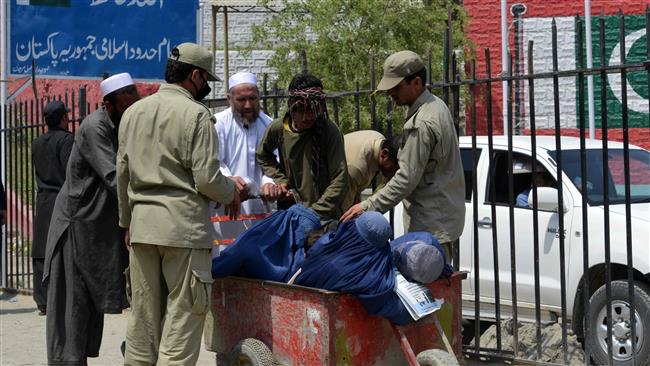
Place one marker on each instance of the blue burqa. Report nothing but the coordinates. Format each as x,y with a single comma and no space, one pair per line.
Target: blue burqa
344,261
273,249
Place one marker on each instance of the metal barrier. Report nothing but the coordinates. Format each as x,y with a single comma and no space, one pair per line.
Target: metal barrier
24,123
563,267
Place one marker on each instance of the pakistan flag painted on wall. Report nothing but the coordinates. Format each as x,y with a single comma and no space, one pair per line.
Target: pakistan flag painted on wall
637,82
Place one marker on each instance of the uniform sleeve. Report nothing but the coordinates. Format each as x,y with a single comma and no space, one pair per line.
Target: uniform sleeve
96,146
265,156
356,179
123,176
412,159
204,149
330,201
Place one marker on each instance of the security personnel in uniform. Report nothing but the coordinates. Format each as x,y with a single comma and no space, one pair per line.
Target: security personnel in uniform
369,155
168,172
430,179
50,153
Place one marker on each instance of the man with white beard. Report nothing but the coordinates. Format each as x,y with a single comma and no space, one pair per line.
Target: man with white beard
239,130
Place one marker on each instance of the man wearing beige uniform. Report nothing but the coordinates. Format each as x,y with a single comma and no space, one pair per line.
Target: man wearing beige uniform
168,172
430,179
368,154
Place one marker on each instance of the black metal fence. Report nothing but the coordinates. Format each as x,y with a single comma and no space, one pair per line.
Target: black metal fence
24,123
525,264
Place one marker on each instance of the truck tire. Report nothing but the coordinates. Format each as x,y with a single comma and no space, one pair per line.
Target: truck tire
436,357
621,335
251,352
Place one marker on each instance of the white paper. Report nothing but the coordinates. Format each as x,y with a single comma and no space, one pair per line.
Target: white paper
417,298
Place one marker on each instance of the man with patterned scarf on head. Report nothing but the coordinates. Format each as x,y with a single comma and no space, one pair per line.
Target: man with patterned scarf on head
311,167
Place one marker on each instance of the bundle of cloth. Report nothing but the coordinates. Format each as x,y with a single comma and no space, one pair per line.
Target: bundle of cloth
273,249
420,257
356,259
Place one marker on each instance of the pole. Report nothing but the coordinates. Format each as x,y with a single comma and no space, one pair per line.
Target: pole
226,72
3,124
590,78
504,62
214,10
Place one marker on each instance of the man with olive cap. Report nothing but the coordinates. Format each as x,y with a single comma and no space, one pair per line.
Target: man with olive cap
50,153
168,172
430,179
85,256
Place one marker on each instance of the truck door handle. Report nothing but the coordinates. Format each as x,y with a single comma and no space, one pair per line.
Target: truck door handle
485,223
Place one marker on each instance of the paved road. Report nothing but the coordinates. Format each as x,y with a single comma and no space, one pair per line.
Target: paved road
22,335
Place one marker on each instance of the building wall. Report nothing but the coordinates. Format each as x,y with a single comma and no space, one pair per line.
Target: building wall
485,31
239,36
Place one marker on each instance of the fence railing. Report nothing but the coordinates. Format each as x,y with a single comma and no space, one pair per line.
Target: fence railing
24,123
577,256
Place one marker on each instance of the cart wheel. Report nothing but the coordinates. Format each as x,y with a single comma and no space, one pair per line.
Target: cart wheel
251,352
436,357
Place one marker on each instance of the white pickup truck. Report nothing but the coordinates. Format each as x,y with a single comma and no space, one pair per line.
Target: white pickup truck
549,242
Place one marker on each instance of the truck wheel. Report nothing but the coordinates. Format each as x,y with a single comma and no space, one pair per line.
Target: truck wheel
621,327
251,352
436,357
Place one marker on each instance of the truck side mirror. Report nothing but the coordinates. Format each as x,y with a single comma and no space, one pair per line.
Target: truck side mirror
547,200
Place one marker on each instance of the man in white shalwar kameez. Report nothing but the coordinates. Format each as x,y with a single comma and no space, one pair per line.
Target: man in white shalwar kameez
239,130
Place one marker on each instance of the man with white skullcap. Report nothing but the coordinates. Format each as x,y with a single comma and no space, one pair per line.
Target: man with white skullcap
85,255
240,128
168,172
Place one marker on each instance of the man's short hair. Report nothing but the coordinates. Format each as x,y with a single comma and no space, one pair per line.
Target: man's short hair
305,80
422,74
177,71
112,96
392,144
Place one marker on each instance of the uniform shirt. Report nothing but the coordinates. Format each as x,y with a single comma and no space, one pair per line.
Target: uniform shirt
430,178
168,170
237,147
362,149
294,165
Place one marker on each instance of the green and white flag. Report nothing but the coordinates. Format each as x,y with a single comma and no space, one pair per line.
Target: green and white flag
539,30
637,82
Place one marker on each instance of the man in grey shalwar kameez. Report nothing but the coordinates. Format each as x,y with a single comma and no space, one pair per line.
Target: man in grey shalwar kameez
85,255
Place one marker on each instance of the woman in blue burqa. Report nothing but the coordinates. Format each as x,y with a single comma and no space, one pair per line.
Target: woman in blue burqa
271,250
356,259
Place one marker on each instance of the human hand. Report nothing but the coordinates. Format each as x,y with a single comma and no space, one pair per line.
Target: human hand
283,191
270,191
127,240
242,188
232,209
352,213
240,183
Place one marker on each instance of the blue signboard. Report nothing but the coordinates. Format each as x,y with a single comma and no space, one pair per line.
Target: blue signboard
87,38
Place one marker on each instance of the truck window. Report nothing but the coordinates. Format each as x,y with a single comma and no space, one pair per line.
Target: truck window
466,157
522,179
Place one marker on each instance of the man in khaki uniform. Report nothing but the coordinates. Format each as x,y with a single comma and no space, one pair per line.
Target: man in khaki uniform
430,179
368,154
168,172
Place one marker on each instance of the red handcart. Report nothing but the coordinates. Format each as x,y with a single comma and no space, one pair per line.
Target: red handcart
269,323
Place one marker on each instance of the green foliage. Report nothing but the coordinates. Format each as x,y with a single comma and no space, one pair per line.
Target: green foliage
341,37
